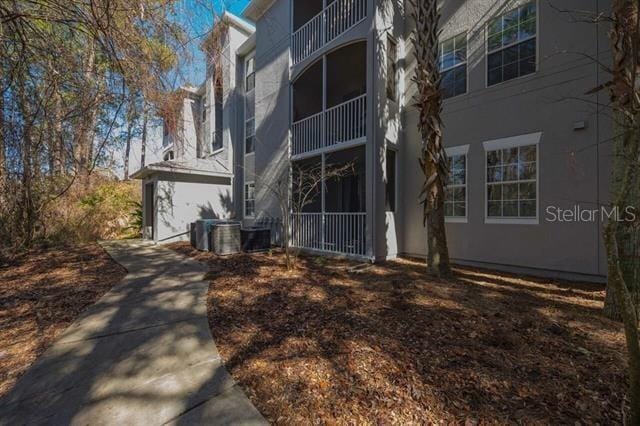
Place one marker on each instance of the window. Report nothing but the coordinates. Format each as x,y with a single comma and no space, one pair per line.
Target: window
168,156
250,74
392,64
390,199
249,200
218,94
511,45
453,66
455,204
204,110
249,107
512,182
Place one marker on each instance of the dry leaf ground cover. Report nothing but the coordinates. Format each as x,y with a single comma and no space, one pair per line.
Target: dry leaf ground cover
41,293
327,346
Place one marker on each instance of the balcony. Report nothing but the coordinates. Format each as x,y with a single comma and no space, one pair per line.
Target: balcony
338,233
342,123
333,217
330,101
336,18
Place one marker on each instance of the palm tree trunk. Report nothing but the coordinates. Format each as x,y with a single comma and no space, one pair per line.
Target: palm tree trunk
433,159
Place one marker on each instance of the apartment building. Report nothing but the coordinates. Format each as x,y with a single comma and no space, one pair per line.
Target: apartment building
326,83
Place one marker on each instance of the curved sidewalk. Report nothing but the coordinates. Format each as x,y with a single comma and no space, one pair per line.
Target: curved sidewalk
143,354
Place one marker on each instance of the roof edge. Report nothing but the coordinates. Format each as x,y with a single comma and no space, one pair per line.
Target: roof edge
238,22
256,8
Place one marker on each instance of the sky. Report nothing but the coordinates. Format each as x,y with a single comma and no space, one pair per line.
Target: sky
197,16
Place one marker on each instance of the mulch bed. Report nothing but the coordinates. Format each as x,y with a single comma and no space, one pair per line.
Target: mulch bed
326,345
41,294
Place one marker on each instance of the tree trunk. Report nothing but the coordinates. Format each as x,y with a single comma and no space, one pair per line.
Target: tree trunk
143,148
127,149
83,146
433,160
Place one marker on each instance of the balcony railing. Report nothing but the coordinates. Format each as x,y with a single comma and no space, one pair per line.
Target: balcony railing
340,233
342,123
337,18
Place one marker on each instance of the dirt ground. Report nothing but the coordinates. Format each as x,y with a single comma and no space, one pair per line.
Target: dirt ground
41,294
326,345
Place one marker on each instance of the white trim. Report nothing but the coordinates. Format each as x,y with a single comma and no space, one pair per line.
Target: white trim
486,46
465,63
247,58
244,200
457,151
511,221
512,142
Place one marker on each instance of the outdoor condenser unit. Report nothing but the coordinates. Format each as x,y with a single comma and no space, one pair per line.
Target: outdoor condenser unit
255,239
225,238
202,230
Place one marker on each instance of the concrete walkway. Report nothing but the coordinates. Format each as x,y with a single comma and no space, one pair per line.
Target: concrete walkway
143,354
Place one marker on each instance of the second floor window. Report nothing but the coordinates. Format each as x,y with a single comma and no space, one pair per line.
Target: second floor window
392,61
249,107
453,66
511,45
250,79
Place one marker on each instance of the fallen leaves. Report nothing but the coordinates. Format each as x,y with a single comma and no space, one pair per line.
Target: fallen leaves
41,294
388,345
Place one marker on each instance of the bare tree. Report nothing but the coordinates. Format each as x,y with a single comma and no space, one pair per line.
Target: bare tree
433,161
624,90
296,189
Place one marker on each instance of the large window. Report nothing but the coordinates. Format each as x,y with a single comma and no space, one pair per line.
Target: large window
249,106
455,205
453,66
392,68
511,45
390,199
249,199
512,182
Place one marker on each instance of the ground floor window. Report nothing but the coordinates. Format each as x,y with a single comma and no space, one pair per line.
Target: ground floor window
249,199
512,189
455,204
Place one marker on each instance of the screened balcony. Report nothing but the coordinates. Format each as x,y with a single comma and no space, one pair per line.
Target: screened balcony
316,23
334,221
330,101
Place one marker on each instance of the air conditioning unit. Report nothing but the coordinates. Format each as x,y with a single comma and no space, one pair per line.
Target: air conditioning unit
225,238
202,230
255,239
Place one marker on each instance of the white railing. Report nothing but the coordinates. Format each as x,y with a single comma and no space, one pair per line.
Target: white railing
341,15
337,18
343,123
340,233
347,121
308,38
306,134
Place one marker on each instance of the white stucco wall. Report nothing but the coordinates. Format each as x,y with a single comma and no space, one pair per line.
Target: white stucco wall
181,201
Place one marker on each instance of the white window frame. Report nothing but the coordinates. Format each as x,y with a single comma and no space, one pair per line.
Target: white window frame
466,62
506,143
454,151
246,119
487,52
245,199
